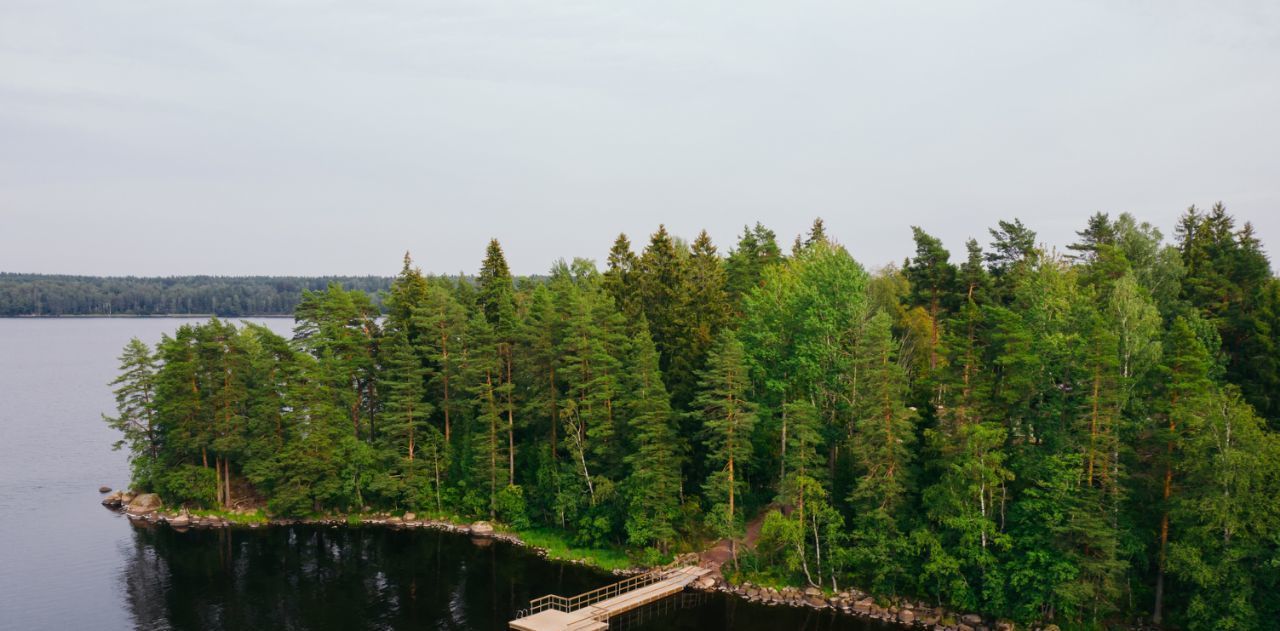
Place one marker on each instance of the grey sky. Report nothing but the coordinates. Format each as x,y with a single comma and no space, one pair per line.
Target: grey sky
234,137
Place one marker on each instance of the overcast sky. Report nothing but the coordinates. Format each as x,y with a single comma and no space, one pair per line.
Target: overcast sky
307,137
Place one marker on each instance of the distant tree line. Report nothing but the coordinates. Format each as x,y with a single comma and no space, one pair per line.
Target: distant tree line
1082,439
224,296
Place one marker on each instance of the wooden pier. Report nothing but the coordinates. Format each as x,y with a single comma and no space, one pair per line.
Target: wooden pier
591,611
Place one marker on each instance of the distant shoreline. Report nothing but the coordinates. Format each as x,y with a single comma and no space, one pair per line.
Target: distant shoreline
84,316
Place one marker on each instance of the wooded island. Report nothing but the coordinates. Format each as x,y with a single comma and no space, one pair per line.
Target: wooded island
1072,438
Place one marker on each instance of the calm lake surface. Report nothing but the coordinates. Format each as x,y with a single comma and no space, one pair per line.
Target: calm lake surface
68,563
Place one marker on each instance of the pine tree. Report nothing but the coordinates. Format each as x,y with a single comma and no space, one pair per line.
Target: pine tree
135,394
483,373
1188,397
403,388
884,431
932,279
728,419
966,503
442,322
340,328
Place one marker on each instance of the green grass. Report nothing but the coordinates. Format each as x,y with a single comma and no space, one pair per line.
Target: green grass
256,517
558,547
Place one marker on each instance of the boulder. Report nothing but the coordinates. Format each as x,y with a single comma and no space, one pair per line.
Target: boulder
481,529
181,521
1005,625
104,489
906,616
144,504
971,619
812,591
410,516
114,500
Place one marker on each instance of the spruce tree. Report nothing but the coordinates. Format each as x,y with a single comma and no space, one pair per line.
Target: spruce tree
662,279
621,279
654,481
497,303
757,249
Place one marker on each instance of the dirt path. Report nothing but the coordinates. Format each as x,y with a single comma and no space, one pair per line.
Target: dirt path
721,553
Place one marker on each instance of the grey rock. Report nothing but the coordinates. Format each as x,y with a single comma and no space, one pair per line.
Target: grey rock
144,504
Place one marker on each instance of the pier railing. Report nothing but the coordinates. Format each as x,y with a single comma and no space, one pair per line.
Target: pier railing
587,599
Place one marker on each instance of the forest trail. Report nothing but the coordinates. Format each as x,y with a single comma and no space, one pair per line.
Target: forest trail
719,554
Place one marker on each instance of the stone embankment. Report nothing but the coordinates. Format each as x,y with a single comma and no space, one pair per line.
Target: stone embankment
907,613
146,508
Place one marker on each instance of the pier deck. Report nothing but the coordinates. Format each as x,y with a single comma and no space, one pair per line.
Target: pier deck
591,611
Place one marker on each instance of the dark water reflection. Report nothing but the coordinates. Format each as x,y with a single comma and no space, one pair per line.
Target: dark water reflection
306,577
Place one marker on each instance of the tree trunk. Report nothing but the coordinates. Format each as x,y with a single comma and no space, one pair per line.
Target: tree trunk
1093,420
511,424
444,369
217,477
555,412
1157,614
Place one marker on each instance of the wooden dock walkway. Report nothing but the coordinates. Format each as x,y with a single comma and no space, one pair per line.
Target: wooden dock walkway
591,611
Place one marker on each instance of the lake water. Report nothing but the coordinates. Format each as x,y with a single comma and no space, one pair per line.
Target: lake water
68,563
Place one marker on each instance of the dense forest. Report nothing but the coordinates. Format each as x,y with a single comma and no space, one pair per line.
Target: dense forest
225,296
1083,438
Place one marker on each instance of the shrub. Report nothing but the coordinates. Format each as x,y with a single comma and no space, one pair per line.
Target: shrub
512,509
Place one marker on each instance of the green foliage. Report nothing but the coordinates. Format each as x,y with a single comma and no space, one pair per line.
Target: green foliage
728,420
654,481
512,509
187,484
1083,441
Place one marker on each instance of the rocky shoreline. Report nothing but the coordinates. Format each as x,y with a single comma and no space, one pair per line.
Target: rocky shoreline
146,508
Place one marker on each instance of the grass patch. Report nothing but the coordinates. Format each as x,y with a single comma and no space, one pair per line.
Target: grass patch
256,517
558,547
